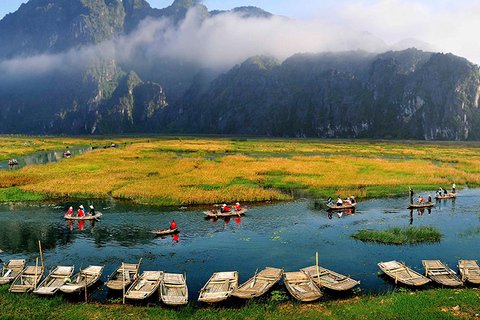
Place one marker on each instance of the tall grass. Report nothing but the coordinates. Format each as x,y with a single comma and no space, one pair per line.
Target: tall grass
398,235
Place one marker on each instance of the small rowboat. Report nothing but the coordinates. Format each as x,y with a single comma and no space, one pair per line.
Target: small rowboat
173,289
167,231
11,270
440,273
27,280
231,213
403,274
259,284
145,285
344,206
301,287
469,270
86,217
219,287
329,279
422,205
57,278
449,195
77,284
123,276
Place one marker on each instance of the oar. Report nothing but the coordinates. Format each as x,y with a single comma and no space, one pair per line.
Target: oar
86,295
138,268
35,281
123,282
254,279
318,272
41,254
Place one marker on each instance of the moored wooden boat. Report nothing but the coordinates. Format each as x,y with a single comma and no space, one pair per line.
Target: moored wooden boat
329,279
219,286
164,232
57,278
344,206
27,280
122,277
145,285
469,270
258,284
403,274
231,213
86,217
449,195
423,205
301,287
77,283
441,273
174,291
11,270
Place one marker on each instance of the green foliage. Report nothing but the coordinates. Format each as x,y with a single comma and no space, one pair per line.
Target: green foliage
15,194
398,235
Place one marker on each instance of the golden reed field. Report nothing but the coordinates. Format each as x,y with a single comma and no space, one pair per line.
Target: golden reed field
190,170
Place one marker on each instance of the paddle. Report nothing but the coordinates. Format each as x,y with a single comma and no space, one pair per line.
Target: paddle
318,272
254,279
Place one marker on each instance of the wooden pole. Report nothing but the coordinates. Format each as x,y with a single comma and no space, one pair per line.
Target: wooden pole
41,254
35,281
138,268
254,279
86,294
426,270
123,281
318,272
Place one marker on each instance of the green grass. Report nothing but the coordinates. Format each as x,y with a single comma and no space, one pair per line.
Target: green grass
15,194
397,235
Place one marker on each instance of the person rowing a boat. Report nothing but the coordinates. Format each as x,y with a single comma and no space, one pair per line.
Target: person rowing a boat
225,208
429,198
339,202
237,206
173,225
453,188
92,211
81,211
352,200
70,212
421,200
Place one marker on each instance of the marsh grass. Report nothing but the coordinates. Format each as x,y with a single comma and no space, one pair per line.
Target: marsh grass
398,235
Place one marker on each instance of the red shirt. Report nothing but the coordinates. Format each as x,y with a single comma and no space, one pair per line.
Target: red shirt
173,225
80,213
238,207
226,209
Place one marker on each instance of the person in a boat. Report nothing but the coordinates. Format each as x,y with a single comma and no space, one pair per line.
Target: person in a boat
330,201
421,200
453,188
225,208
440,190
81,211
339,202
173,224
237,206
92,210
352,200
347,201
445,191
70,211
429,198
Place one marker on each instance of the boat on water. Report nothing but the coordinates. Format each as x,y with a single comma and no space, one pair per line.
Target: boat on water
123,276
259,284
301,287
85,217
329,279
12,162
91,274
449,195
164,232
219,286
403,274
27,280
173,289
57,278
11,270
469,270
231,213
342,207
441,273
421,205
145,285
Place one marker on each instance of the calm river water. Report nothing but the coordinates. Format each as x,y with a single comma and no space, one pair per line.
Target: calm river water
278,235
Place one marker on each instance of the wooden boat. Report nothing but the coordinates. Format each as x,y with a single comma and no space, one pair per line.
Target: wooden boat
27,280
11,270
57,278
12,162
173,289
342,207
122,277
164,232
301,287
449,195
440,273
419,206
86,217
259,284
77,284
469,270
145,285
403,274
329,279
231,213
219,287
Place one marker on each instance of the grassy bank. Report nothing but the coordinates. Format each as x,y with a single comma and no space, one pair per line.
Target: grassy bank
431,304
398,235
186,171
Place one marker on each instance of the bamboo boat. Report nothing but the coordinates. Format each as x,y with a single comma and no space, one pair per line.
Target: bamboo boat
123,276
219,214
403,274
449,195
145,285
27,280
219,287
259,284
57,278
92,274
173,289
86,217
164,232
419,206
469,270
342,207
329,279
440,273
301,287
11,270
